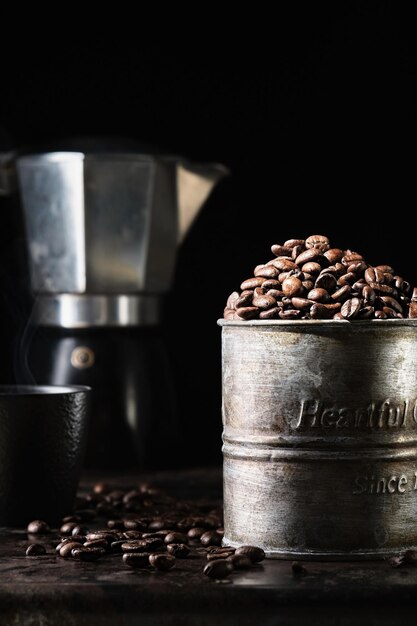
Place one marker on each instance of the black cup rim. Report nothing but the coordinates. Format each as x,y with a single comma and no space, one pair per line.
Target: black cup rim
19,391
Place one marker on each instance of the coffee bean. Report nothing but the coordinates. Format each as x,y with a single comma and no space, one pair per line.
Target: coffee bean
115,524
175,537
66,549
195,533
334,255
265,302
341,294
38,527
116,546
318,241
247,313
162,562
351,308
282,287
97,543
318,295
218,569
35,549
270,314
281,250
291,243
251,283
134,524
312,254
66,529
179,550
254,553
210,538
268,271
412,314
284,264
239,561
301,303
79,531
326,281
87,554
292,287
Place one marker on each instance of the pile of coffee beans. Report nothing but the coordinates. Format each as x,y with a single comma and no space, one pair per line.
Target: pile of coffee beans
145,528
309,279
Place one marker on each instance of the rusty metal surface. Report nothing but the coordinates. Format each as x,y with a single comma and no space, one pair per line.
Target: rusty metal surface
320,437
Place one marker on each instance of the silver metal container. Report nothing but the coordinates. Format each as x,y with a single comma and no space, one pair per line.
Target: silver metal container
320,437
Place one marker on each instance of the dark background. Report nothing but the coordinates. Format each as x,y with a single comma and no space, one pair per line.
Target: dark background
315,115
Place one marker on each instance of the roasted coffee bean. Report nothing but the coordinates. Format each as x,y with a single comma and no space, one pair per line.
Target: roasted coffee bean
97,543
35,549
38,527
318,241
334,255
66,529
66,549
265,302
102,534
218,569
386,269
284,264
115,524
270,314
346,279
196,532
176,537
312,254
71,518
318,295
247,313
300,268
239,561
251,283
311,268
281,250
298,569
63,542
179,550
326,281
80,531
162,562
301,303
87,554
390,313
292,287
267,271
368,295
320,312
116,546
136,559
211,538
219,553
291,243
255,554
134,524
351,308
290,314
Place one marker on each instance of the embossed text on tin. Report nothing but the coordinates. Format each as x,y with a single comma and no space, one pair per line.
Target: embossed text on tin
393,483
384,415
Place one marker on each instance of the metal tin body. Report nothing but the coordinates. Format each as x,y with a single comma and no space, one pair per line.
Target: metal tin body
320,437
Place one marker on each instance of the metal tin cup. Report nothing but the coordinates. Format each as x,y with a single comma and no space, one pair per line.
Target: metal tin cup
43,432
320,437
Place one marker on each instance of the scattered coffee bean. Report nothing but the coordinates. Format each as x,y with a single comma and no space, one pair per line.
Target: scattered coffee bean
162,562
136,559
67,549
87,554
239,561
298,569
38,527
79,531
211,538
35,549
176,537
66,529
195,533
179,550
218,569
255,554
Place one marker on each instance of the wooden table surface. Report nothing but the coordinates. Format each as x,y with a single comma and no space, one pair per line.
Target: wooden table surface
50,590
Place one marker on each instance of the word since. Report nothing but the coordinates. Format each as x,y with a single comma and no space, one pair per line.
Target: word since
390,484
377,415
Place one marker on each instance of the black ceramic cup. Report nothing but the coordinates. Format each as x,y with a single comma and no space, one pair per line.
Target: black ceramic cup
43,432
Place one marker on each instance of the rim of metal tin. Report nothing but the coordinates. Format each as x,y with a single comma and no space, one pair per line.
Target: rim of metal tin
316,323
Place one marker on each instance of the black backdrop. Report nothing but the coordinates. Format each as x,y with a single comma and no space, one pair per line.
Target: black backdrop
316,123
